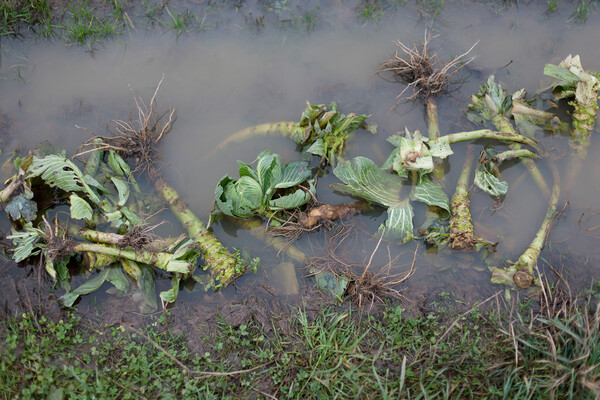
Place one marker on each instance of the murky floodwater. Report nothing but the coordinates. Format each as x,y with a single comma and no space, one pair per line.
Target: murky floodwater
224,80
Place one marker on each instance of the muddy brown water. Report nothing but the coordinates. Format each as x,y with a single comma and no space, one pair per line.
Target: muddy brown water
227,79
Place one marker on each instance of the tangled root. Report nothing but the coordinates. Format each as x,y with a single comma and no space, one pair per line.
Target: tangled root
421,70
136,139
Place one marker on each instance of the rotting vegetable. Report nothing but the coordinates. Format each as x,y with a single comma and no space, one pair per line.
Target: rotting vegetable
105,192
582,88
101,199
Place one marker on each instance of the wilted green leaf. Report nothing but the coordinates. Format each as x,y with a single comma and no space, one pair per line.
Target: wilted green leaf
431,193
489,183
122,190
366,180
93,284
61,172
118,279
293,174
80,209
117,164
399,223
169,296
25,242
327,130
293,200
327,281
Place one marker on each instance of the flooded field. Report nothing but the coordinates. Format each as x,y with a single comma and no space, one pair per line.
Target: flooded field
229,78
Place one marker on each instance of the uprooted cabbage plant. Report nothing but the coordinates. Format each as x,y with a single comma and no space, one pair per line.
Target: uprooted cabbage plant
106,228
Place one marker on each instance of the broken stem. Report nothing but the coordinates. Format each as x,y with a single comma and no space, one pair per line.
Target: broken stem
283,128
485,134
521,273
462,233
161,260
503,125
224,267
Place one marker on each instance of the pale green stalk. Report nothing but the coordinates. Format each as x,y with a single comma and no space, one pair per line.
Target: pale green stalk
283,128
164,261
462,234
503,125
485,134
224,267
522,273
156,244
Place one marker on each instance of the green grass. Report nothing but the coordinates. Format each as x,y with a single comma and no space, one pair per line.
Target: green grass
582,10
18,16
83,26
85,22
448,352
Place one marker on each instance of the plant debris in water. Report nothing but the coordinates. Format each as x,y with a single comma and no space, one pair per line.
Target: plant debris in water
322,131
106,193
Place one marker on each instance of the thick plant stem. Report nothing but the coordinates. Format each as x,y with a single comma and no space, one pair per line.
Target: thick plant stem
165,261
156,244
514,153
521,273
582,127
283,128
503,125
486,134
433,128
462,234
433,131
224,267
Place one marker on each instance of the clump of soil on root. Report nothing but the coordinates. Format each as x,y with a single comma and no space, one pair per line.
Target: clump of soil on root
57,243
316,216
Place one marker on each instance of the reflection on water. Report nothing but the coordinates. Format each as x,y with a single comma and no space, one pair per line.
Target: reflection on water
221,82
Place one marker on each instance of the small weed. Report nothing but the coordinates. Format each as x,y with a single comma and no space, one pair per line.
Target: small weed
84,26
16,16
551,6
582,11
431,7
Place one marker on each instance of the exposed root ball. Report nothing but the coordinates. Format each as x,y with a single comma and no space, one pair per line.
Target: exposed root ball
136,139
57,243
364,286
421,70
